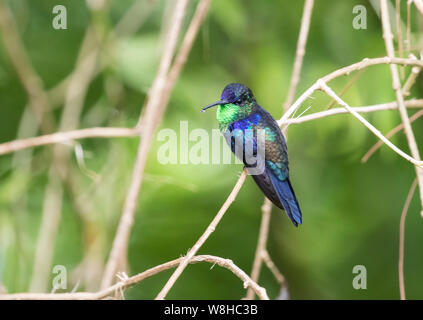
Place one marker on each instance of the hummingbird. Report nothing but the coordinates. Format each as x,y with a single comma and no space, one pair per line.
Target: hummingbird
238,111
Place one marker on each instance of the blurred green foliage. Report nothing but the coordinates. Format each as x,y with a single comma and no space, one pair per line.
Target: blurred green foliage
351,210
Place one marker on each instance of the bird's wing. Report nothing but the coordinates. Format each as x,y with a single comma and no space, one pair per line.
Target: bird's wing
274,182
276,150
264,182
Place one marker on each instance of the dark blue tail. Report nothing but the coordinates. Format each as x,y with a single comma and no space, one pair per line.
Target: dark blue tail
287,197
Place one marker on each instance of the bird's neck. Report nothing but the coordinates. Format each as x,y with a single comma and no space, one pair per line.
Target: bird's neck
230,113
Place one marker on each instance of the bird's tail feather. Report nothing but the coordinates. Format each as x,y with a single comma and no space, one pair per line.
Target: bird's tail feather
289,200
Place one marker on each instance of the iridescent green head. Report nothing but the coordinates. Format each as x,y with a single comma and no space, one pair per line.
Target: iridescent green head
237,102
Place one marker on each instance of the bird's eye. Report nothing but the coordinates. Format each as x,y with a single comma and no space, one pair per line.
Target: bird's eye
238,101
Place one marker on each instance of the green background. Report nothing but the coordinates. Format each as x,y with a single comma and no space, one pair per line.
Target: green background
351,210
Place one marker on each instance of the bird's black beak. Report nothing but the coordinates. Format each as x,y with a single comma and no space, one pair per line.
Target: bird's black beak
223,101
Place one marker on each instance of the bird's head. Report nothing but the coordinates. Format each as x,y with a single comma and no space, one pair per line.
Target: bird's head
236,102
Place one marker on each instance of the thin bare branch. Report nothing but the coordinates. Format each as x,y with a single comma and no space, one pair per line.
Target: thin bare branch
210,229
295,78
347,87
68,136
225,263
408,32
402,237
300,52
187,43
272,267
389,135
411,78
261,244
364,109
399,32
345,71
369,126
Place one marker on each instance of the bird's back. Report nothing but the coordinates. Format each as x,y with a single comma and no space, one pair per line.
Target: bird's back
274,181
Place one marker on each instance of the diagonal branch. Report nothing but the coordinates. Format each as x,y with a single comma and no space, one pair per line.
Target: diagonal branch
323,86
389,135
300,52
418,103
261,244
295,78
210,229
152,111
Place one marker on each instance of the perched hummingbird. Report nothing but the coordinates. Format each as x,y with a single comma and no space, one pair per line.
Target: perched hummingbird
238,110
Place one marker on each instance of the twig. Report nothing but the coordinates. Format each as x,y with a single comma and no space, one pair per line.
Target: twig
367,62
320,84
38,99
261,244
187,43
402,237
272,267
63,137
345,71
347,86
110,132
210,229
225,263
295,78
418,103
396,85
399,32
389,135
367,124
408,33
152,112
411,79
300,52
50,221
